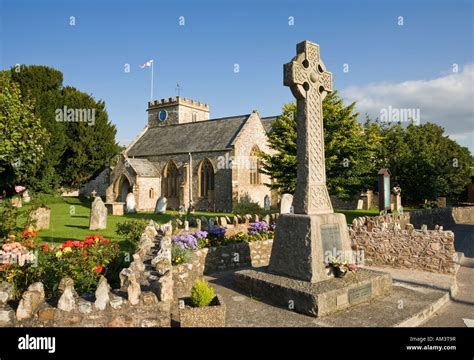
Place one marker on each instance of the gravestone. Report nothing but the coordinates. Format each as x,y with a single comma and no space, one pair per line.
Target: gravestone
98,216
286,203
26,197
397,198
161,205
130,203
266,203
41,218
304,241
384,189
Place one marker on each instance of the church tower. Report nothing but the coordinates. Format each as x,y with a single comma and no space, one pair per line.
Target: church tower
176,111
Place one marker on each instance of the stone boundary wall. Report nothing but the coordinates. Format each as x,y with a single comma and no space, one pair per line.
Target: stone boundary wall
344,204
210,260
442,216
143,300
392,241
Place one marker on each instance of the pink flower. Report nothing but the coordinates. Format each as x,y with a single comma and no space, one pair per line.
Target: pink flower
19,189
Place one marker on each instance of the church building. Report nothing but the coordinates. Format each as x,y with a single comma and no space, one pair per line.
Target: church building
190,159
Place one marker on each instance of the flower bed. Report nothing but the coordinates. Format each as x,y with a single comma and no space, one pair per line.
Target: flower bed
27,261
185,243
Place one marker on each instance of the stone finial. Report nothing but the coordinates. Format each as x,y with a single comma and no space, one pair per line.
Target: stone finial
67,301
6,292
102,298
30,301
129,282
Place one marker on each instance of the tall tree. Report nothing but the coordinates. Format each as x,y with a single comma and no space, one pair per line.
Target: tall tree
350,149
23,141
424,162
79,149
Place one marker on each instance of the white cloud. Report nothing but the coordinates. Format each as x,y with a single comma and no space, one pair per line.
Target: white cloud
447,100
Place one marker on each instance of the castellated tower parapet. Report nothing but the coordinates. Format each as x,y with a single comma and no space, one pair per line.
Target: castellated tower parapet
176,111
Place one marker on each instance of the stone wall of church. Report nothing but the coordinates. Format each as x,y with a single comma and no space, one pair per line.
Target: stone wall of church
222,179
147,194
253,133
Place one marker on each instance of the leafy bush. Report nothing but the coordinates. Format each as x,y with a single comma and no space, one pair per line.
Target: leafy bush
132,229
10,218
247,206
180,254
83,261
201,294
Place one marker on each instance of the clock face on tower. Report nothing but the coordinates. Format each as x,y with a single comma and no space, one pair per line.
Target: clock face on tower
162,115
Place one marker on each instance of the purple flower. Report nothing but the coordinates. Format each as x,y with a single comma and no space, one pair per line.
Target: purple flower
218,231
200,234
185,241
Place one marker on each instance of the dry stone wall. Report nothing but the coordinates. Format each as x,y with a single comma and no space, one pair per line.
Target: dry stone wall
393,241
143,299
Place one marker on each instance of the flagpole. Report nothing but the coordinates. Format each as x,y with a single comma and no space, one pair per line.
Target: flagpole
151,92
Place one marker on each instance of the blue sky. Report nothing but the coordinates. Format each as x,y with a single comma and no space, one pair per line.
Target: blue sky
384,58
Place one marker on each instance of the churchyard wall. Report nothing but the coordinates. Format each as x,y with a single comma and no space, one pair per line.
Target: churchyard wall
143,300
442,216
393,241
99,184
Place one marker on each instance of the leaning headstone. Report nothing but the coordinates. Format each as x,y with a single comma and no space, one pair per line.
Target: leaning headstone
98,216
198,224
130,203
40,218
285,203
161,205
266,203
186,225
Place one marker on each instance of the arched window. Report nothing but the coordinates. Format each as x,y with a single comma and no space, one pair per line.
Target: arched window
151,193
170,180
255,164
206,178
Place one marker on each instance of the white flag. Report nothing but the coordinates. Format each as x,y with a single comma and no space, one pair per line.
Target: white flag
147,64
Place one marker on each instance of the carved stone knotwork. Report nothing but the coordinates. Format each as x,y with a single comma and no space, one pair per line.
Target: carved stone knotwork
309,82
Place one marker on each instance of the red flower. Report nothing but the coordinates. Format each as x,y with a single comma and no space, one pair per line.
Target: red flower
44,247
77,244
84,254
68,243
98,269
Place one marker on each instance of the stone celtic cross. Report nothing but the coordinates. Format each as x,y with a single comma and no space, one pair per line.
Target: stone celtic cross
309,82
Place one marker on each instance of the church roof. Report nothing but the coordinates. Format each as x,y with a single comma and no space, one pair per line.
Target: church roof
144,168
200,136
268,123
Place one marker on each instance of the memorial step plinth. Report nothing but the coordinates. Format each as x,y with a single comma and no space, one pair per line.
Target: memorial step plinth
314,298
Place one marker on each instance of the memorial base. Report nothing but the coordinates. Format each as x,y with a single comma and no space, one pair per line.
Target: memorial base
315,299
303,245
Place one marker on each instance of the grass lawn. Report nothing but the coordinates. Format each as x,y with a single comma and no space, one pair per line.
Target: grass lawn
70,220
352,214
